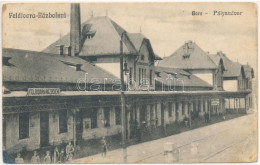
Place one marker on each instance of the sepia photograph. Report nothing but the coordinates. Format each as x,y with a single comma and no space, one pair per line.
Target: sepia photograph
129,82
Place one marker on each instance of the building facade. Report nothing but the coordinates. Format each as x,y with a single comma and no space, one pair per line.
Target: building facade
188,58
33,122
83,68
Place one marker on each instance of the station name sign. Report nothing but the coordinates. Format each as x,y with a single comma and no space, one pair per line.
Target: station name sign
43,92
214,101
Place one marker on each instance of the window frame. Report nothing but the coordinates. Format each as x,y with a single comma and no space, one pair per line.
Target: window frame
130,75
64,123
25,126
118,116
93,118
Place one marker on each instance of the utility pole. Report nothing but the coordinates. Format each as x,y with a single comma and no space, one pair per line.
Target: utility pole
74,127
123,104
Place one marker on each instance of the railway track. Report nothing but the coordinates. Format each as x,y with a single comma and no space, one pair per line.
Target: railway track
181,146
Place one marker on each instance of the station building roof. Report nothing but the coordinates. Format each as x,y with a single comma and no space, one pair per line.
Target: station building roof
189,57
180,78
105,36
32,66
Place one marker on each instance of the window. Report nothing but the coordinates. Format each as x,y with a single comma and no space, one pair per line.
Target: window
142,57
93,118
142,80
63,121
107,117
23,125
130,75
170,109
118,115
151,77
185,56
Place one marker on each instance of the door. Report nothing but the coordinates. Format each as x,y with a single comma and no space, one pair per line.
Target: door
44,129
162,114
79,125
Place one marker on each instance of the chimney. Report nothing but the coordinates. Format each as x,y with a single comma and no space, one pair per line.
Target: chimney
75,29
78,67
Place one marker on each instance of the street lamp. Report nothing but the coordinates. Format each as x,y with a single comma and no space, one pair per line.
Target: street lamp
123,67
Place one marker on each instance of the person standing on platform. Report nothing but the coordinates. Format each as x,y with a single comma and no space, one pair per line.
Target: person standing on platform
18,159
56,155
62,157
69,151
47,158
104,147
35,158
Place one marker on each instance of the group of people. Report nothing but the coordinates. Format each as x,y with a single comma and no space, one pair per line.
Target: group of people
58,156
61,156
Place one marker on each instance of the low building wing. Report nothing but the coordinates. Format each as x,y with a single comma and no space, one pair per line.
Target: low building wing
31,66
179,78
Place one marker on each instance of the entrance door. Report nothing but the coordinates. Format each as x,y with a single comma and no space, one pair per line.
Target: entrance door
44,129
162,114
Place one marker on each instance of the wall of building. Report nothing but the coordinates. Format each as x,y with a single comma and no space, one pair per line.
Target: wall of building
33,141
113,68
55,137
13,143
236,105
146,64
230,85
218,78
207,77
101,129
180,108
112,65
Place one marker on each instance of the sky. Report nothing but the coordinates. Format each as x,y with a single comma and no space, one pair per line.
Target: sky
167,25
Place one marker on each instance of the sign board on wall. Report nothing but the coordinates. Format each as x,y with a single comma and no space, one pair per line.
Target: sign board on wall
214,101
43,92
